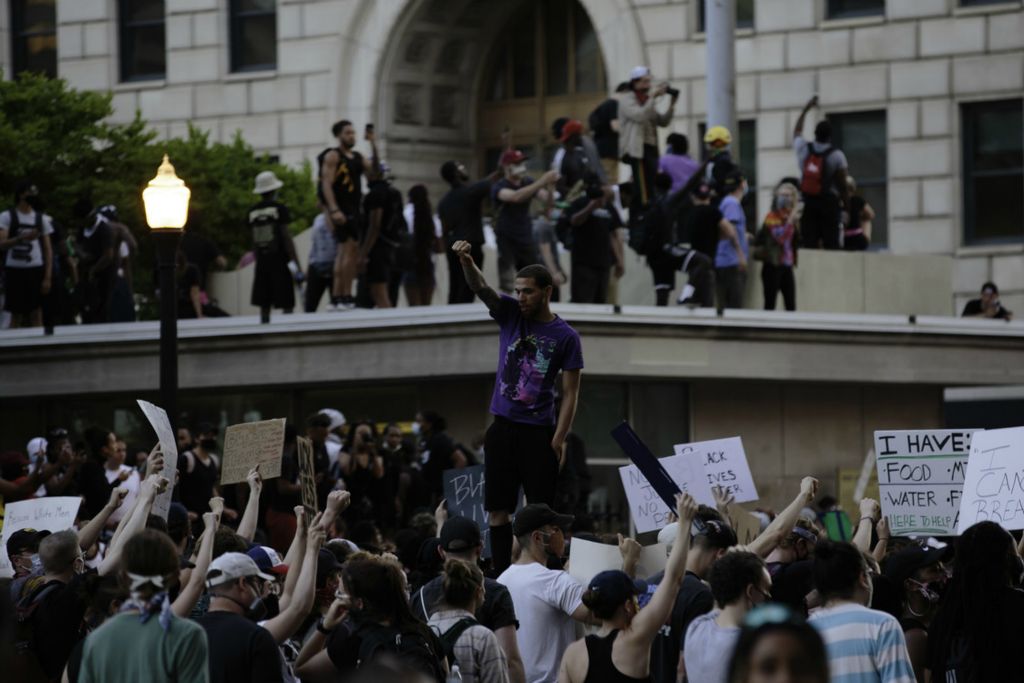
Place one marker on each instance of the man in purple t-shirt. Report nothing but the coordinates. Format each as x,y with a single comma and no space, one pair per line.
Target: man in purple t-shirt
525,445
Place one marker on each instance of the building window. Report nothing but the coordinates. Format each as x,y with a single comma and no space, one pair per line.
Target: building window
34,37
744,14
848,9
253,35
863,138
993,172
142,40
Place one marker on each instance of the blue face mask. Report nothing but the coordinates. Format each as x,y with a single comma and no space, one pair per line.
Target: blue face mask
37,563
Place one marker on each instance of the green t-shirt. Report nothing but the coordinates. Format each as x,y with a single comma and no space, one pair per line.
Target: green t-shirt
123,649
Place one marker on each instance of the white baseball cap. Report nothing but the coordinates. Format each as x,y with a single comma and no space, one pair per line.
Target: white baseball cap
337,418
266,181
639,72
231,567
668,534
36,446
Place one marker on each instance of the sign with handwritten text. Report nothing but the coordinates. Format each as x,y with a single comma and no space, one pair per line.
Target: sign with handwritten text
994,485
464,496
921,478
42,514
725,464
157,417
648,510
249,444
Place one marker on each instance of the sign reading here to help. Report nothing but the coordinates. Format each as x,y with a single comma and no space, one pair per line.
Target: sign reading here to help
42,514
725,464
921,478
646,507
994,484
464,497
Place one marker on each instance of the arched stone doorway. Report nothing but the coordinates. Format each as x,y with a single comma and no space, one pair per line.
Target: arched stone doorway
419,70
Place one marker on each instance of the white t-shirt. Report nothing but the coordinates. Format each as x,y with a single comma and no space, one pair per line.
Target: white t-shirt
706,643
132,482
26,254
544,600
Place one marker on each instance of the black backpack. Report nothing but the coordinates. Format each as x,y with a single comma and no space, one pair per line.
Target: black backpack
452,635
26,664
410,648
645,231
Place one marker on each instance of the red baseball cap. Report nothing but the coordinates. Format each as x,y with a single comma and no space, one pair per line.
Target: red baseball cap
512,157
571,127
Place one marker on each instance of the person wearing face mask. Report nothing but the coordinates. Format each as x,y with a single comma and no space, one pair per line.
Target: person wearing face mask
732,251
240,650
199,471
776,244
547,602
921,575
146,641
739,582
25,238
863,644
513,227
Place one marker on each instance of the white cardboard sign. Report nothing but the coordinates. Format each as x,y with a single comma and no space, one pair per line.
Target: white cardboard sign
994,485
725,464
157,417
921,478
649,512
587,559
42,514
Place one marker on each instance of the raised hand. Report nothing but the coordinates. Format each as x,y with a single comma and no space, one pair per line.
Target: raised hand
255,480
338,501
809,488
117,497
217,506
723,498
686,511
869,507
630,549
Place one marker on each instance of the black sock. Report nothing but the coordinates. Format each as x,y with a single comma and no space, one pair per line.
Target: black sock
501,547
662,295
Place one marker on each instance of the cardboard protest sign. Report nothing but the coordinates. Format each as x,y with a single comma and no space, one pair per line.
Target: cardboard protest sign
464,496
921,478
725,464
249,444
157,417
587,559
746,524
646,507
994,485
307,476
42,514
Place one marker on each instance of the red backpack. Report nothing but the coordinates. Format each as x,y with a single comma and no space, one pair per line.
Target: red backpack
813,181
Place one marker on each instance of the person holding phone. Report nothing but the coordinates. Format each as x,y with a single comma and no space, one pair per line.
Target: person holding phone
340,192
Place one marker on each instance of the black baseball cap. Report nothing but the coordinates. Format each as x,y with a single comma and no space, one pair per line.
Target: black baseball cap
613,587
537,515
718,533
902,564
25,539
459,534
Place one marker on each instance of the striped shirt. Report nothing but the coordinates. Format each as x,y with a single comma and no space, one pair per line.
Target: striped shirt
864,645
479,656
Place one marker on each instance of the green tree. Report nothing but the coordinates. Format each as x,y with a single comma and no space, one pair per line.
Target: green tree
60,139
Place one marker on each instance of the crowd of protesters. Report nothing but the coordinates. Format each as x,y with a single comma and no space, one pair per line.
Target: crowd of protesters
240,584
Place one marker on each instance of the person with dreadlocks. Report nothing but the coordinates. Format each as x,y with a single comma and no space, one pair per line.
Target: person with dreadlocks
525,444
980,625
145,641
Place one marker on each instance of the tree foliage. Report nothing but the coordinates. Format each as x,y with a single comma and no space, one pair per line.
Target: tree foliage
61,140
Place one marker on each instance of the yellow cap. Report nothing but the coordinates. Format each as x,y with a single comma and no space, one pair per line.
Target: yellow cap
718,136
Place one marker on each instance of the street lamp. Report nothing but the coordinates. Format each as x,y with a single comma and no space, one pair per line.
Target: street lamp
166,201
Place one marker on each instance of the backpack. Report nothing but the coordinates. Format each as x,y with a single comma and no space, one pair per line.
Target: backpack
26,664
452,635
22,251
411,649
813,180
644,232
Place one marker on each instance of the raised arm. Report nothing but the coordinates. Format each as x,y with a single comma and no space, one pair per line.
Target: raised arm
337,502
884,534
191,592
251,515
798,128
474,277
651,618
525,193
153,486
293,557
90,533
291,617
870,510
783,523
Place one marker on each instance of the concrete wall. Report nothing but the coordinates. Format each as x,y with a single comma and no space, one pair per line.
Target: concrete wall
837,282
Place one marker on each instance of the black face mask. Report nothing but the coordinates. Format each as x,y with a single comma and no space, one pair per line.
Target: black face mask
35,202
208,444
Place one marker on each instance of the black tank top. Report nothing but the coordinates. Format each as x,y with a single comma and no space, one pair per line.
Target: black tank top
347,183
601,669
196,487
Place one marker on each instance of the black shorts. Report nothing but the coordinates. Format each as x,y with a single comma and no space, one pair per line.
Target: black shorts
22,289
518,455
350,230
378,266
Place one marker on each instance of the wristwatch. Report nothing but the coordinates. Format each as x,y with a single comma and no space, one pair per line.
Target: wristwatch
320,627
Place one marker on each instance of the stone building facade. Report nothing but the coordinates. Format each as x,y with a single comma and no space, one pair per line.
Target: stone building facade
926,93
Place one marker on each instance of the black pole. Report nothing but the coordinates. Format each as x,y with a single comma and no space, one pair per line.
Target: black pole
166,248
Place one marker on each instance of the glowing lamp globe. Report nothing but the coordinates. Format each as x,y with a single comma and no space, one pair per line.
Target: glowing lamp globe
166,199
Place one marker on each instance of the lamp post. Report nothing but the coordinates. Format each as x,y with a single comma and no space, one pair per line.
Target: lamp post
166,200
